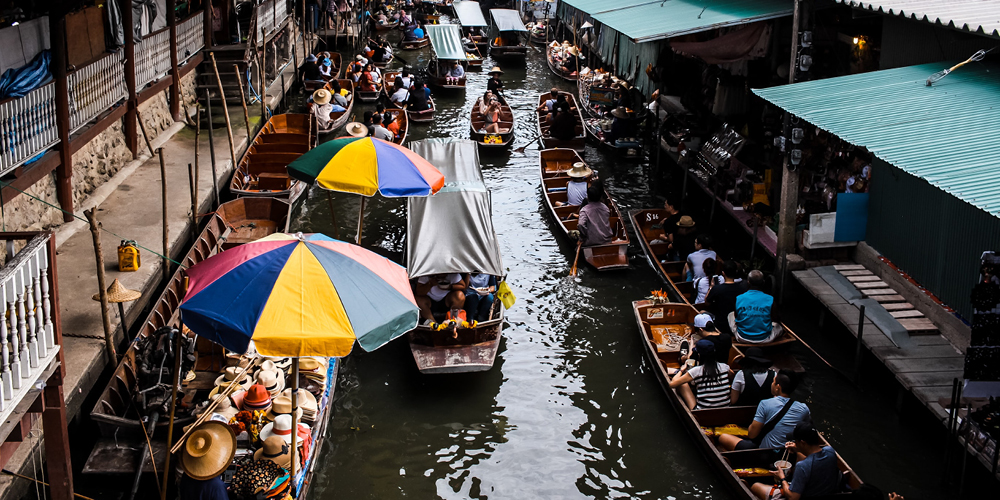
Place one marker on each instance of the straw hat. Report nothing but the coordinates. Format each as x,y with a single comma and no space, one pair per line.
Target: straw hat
282,363
118,293
209,450
619,112
257,398
276,450
309,364
356,129
282,427
272,380
230,374
580,170
305,400
321,96
224,408
282,405
496,69
573,50
685,221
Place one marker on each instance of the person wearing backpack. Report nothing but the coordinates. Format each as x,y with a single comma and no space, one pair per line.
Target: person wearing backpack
775,419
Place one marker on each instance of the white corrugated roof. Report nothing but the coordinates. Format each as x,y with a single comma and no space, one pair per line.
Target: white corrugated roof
976,16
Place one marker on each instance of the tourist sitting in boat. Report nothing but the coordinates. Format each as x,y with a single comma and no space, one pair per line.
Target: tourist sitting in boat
355,72
341,96
775,419
704,327
400,94
721,299
576,189
378,50
563,125
595,219
440,293
693,268
484,103
815,473
321,110
407,79
682,241
326,68
494,84
492,116
455,74
755,318
387,119
704,284
360,59
549,104
378,131
366,119
368,83
376,73
309,71
668,224
206,454
705,385
479,296
413,33
418,98
752,384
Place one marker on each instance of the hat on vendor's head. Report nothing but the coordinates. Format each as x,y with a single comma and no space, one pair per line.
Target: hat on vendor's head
256,398
278,451
311,58
209,450
685,221
580,170
619,112
322,96
573,50
356,129
496,69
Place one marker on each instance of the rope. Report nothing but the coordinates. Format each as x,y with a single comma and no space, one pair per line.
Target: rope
7,184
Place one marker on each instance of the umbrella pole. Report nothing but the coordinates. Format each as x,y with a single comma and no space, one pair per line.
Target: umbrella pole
295,418
333,215
361,218
173,408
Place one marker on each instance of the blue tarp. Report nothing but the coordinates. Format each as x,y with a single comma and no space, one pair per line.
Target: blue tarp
17,82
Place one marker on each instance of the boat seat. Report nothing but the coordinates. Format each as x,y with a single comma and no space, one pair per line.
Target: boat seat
280,147
659,249
273,181
565,211
113,403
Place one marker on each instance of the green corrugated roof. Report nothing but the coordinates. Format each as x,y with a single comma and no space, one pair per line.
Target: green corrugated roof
646,21
597,6
446,40
947,134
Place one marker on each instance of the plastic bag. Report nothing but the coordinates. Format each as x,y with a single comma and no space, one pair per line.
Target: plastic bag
506,295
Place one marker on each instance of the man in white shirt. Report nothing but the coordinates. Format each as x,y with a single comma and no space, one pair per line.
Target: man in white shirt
440,293
380,132
400,96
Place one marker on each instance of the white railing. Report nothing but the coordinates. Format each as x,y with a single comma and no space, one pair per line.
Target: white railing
95,88
269,16
152,58
190,37
27,127
27,334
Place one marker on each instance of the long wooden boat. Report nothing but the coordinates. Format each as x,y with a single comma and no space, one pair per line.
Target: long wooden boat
553,165
415,44
661,328
537,33
550,52
446,215
439,81
263,172
487,140
578,142
624,150
250,219
339,118
474,58
517,52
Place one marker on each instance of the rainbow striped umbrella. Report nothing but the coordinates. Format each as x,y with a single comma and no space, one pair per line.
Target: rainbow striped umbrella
366,165
298,295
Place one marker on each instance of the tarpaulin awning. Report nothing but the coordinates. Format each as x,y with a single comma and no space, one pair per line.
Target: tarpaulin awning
452,231
446,40
746,42
648,21
947,134
470,14
507,20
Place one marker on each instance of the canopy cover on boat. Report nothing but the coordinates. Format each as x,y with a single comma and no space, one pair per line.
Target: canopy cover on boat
470,14
446,40
452,231
507,20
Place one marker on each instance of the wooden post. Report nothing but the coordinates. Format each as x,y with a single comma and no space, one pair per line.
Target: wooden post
163,196
211,148
175,381
95,232
225,109
243,100
208,26
175,72
56,428
145,136
197,148
131,132
859,345
263,77
194,203
295,418
64,174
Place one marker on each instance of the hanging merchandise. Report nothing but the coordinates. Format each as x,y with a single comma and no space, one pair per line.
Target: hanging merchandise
128,256
114,35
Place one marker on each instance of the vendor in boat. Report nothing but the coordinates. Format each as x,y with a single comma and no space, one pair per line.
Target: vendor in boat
494,84
595,219
579,180
440,293
721,299
775,419
755,319
455,74
815,474
752,384
705,384
479,296
309,71
571,61
207,453
623,125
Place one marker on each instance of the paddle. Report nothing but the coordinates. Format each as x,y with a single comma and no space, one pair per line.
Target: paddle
522,148
821,358
579,245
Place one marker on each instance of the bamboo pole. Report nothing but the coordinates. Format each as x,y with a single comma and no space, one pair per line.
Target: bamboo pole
295,419
197,147
43,483
145,136
263,76
243,100
231,388
333,215
173,405
211,148
166,227
194,203
225,109
95,231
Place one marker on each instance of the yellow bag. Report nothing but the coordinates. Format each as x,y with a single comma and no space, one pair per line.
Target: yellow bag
505,295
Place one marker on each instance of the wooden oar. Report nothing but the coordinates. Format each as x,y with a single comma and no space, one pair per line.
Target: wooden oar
522,148
821,358
579,245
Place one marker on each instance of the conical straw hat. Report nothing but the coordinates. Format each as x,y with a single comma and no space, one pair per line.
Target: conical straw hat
118,293
208,450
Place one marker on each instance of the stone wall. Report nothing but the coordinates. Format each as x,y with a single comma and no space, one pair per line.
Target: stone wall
189,96
155,116
27,214
99,161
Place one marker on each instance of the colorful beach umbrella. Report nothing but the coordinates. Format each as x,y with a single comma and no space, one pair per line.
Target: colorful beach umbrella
298,295
367,165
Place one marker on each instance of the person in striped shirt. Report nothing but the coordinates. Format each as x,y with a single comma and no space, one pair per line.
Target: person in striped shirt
705,385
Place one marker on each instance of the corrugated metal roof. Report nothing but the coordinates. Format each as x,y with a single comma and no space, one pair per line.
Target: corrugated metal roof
446,40
977,16
648,21
947,134
507,20
470,14
597,6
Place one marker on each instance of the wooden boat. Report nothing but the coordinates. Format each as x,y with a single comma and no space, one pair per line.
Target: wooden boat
578,142
553,166
425,116
489,140
464,349
388,80
482,43
385,64
474,58
415,44
440,81
399,116
517,52
624,150
262,172
591,96
537,33
250,219
387,26
336,65
661,327
340,117
550,52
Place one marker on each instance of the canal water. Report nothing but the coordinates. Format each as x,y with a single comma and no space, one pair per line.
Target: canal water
571,408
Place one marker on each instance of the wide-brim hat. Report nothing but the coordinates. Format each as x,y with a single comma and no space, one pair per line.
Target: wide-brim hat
619,112
327,61
356,129
304,400
281,427
359,57
283,363
756,356
325,54
272,380
276,450
224,407
209,450
573,50
322,96
496,69
282,405
580,170
685,221
117,293
229,375
310,364
311,58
